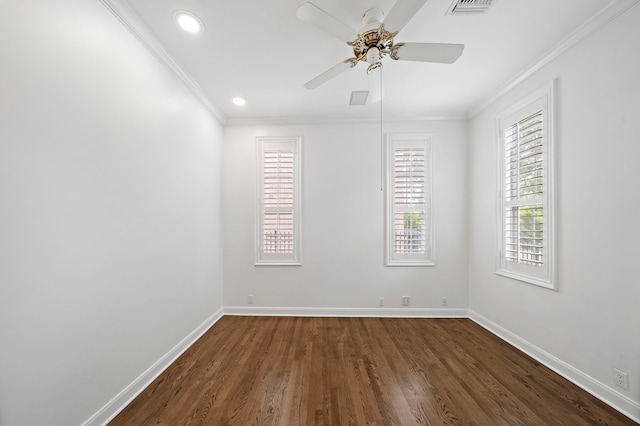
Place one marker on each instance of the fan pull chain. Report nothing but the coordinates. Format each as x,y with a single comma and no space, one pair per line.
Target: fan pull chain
381,136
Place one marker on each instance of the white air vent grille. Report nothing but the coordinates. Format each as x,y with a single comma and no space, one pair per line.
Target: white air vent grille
469,7
359,97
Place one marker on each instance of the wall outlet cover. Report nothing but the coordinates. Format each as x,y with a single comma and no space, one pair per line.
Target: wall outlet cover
621,379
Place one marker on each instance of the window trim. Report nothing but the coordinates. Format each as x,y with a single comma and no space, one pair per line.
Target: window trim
544,99
413,259
295,258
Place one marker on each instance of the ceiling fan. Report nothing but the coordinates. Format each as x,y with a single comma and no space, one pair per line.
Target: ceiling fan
375,39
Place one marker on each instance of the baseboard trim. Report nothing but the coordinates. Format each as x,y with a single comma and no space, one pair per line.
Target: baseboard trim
347,312
608,395
124,398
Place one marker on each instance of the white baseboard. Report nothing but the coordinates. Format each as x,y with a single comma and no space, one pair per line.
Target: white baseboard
608,395
120,401
598,389
347,312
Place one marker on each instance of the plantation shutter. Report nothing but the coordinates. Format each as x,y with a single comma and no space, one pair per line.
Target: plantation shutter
409,196
409,199
277,231
524,191
278,236
525,140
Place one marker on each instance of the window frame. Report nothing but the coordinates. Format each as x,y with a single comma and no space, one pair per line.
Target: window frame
408,140
264,143
544,275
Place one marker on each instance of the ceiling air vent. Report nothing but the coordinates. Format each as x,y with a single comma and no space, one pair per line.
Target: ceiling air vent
359,97
469,7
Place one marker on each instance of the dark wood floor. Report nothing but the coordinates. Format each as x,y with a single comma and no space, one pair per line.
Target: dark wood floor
359,371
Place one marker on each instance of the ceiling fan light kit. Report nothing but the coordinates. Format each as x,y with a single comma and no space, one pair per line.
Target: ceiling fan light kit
375,40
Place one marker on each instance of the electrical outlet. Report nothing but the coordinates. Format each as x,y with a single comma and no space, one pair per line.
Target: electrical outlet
381,301
621,379
444,301
250,299
405,300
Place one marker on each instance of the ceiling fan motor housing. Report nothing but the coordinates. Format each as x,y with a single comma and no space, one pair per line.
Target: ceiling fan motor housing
373,41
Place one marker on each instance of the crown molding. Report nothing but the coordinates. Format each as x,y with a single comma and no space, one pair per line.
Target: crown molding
288,121
132,21
123,11
602,18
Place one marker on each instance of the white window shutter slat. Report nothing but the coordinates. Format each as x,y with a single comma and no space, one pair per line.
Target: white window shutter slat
524,171
278,238
526,239
408,194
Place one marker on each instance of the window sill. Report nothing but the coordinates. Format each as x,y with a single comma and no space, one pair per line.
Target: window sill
528,279
277,263
410,263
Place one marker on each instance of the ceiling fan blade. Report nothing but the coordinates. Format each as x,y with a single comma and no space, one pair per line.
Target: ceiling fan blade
401,13
330,73
311,13
443,53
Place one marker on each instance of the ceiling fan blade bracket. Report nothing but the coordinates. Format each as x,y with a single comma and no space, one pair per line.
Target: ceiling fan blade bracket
358,43
393,51
385,37
352,61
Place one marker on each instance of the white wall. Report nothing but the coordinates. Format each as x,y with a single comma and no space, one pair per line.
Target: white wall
110,214
343,228
592,322
110,177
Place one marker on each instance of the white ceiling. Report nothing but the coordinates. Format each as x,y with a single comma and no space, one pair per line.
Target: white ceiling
259,50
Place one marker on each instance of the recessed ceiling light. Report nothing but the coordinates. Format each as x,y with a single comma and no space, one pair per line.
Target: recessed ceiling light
239,101
188,21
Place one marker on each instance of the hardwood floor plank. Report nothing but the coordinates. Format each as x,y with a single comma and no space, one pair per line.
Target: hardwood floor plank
536,385
431,358
477,379
359,371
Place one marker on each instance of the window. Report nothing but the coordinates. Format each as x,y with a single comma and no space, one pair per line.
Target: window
409,216
525,186
278,227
